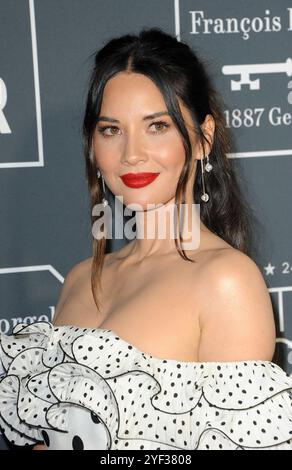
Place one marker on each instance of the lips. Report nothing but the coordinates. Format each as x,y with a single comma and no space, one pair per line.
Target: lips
138,180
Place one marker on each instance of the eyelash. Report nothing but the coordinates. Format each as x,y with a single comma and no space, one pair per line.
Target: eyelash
103,128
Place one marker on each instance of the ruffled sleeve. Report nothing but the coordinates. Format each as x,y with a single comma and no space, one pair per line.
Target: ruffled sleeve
25,354
250,406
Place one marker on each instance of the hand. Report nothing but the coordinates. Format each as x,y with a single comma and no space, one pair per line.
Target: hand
40,447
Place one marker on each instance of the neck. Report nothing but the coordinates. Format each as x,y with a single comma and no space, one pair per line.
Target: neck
156,229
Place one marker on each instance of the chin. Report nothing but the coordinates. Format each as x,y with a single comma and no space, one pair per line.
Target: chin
139,204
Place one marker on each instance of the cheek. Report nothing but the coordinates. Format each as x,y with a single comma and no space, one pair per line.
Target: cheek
105,156
170,155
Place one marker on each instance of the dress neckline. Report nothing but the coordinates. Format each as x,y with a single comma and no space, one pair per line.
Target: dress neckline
176,361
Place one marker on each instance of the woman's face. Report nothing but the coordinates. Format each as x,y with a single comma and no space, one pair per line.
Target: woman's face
136,143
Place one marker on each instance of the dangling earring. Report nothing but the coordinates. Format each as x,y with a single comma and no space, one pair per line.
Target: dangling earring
91,155
104,200
208,168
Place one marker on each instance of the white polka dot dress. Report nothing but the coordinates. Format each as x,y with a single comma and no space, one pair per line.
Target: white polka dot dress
80,388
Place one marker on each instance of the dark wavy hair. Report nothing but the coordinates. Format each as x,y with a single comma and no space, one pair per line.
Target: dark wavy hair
178,73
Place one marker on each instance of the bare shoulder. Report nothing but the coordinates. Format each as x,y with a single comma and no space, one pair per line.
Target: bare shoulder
75,280
230,269
236,314
77,274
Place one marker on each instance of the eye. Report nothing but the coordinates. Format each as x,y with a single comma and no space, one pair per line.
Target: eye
162,125
104,128
159,124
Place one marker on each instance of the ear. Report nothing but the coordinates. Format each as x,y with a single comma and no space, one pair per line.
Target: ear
208,128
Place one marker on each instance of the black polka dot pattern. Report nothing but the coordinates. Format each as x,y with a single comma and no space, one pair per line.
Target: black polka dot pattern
46,438
77,443
81,388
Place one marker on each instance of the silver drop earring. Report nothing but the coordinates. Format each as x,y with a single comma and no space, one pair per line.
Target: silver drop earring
91,157
208,168
104,200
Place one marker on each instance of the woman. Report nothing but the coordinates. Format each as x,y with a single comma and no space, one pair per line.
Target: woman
154,346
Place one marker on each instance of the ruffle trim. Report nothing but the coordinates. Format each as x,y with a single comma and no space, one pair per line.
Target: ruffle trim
244,404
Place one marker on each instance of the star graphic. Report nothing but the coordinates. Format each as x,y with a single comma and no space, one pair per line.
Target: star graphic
269,269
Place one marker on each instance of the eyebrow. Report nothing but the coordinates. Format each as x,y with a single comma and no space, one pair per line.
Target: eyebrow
145,118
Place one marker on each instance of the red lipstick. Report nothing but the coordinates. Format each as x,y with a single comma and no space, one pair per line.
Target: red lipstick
138,180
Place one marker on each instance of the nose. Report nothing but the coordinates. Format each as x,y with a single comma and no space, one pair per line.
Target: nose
133,151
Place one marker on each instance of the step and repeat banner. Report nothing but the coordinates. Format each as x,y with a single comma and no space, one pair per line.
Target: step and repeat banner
46,54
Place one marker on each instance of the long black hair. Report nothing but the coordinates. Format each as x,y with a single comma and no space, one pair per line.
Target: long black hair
178,72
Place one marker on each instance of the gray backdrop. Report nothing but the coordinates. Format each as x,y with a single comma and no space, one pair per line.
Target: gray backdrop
45,60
